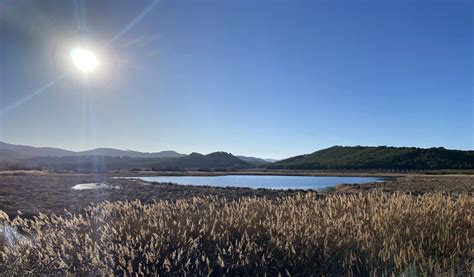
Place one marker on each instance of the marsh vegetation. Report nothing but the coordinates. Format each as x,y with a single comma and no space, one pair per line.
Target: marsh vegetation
374,233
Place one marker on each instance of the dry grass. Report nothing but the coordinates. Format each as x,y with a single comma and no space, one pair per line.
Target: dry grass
374,233
52,193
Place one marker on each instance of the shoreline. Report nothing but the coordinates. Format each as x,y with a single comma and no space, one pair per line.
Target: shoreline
315,173
389,175
51,193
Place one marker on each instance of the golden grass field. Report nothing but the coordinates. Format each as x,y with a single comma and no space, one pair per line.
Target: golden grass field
372,233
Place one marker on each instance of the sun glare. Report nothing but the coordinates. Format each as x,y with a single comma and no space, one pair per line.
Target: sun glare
84,59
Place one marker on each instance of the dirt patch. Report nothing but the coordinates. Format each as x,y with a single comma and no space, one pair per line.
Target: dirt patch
417,184
52,193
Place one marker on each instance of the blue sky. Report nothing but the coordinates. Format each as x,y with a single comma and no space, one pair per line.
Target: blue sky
265,78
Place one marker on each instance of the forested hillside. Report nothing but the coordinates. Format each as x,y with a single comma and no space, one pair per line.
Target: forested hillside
381,157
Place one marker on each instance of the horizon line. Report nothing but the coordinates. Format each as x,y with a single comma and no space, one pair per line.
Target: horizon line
184,153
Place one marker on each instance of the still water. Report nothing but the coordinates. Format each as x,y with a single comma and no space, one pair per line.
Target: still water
263,181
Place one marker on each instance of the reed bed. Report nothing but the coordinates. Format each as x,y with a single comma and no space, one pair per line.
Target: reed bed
361,234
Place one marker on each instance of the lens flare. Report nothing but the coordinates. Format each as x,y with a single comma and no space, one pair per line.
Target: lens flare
84,60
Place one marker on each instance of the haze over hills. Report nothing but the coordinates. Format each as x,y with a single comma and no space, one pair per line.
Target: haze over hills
255,160
194,161
333,158
112,159
381,157
32,151
9,150
7,154
212,160
129,153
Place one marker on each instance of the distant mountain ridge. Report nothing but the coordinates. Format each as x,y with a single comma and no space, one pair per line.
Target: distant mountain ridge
379,157
32,151
103,159
256,160
194,161
129,153
24,151
7,154
333,158
212,160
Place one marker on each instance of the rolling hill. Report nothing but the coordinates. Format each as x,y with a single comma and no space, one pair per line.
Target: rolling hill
102,159
381,157
111,152
212,160
194,161
31,151
255,160
333,158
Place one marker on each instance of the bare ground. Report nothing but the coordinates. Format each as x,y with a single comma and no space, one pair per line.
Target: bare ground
418,184
52,193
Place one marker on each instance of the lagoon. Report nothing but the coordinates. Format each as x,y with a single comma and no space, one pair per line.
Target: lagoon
263,181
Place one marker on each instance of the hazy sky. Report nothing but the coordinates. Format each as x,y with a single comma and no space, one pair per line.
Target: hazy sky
263,78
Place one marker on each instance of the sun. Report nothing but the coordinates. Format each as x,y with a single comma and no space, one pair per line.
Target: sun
84,59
